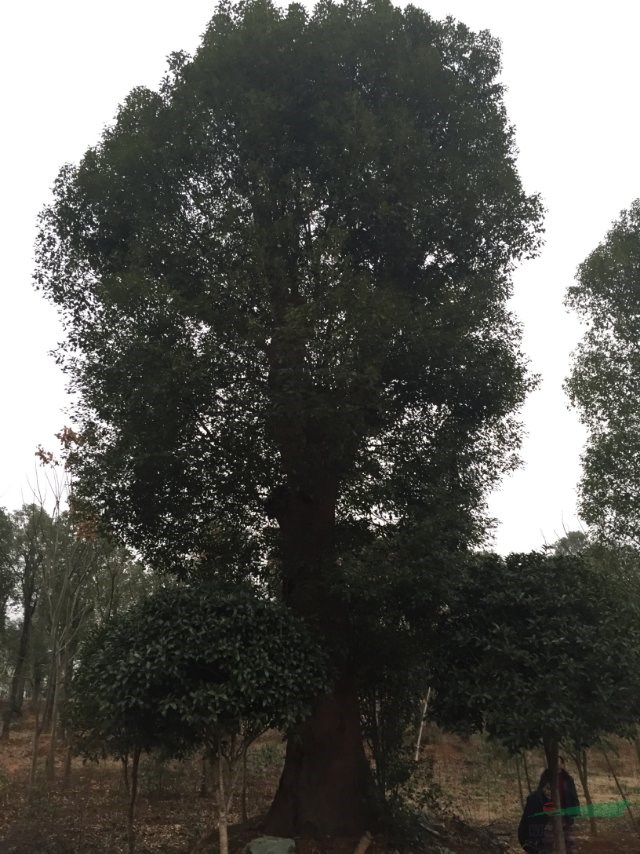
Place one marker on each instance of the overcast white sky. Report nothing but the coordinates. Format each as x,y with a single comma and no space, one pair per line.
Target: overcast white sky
572,75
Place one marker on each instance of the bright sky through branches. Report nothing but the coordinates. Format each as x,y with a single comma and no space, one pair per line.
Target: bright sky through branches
572,76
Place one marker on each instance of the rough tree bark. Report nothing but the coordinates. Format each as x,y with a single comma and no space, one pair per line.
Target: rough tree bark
325,784
325,780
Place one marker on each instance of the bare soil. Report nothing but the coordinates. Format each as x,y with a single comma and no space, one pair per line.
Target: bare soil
480,784
479,794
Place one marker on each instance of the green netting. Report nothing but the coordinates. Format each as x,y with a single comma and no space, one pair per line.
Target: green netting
605,810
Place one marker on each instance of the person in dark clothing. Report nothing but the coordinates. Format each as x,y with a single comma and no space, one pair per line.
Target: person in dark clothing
567,787
534,830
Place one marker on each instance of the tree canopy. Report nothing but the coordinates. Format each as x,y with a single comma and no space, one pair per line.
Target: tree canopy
537,648
604,383
294,257
284,280
188,666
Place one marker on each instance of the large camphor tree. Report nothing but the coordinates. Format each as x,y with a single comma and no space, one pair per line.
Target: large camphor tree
604,383
283,278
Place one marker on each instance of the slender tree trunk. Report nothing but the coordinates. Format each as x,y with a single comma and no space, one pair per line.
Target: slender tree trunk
223,834
17,681
133,794
20,692
636,742
55,707
214,770
363,843
617,782
525,765
243,791
32,562
580,758
204,777
68,756
48,701
422,720
517,760
37,732
551,751
125,771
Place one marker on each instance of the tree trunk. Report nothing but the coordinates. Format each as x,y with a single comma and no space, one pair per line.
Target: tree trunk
48,700
517,761
243,792
50,764
551,752
617,782
125,771
20,693
131,832
422,720
17,681
223,834
68,756
325,782
204,777
580,759
636,741
525,766
37,732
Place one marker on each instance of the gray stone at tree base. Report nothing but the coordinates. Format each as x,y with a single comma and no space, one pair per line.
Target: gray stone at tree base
271,845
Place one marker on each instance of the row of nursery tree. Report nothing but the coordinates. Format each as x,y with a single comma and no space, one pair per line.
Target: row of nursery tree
531,650
57,582
284,279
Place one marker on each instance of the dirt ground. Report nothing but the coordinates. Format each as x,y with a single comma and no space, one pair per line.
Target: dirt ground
480,784
478,789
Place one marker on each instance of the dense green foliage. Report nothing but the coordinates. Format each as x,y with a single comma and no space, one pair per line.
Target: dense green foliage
187,667
294,258
536,647
605,380
61,579
7,569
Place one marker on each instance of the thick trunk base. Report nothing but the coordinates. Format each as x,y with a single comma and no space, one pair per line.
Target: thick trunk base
325,785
